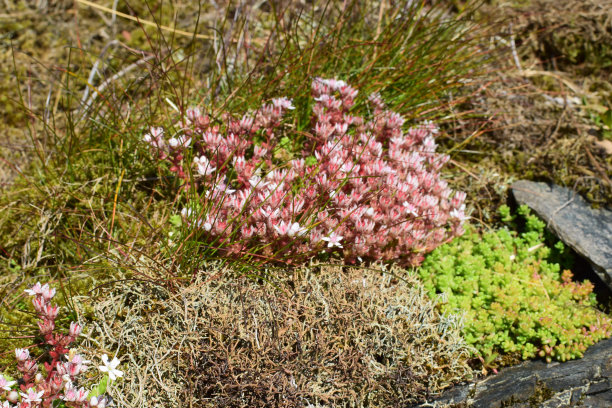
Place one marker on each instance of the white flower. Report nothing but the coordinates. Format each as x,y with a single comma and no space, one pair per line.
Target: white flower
111,368
36,290
32,396
205,168
459,214
333,240
283,103
295,229
224,188
289,229
22,354
181,141
6,384
46,292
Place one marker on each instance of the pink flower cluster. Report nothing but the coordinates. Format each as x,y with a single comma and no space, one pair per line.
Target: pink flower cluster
363,188
38,389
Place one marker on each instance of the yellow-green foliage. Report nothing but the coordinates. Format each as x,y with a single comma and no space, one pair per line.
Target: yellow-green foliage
513,294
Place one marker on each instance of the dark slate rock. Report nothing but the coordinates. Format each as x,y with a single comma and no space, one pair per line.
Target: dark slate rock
588,231
586,382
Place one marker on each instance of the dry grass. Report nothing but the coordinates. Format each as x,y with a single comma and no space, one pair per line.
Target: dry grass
538,104
322,336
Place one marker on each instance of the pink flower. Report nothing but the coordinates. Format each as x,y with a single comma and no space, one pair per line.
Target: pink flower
5,384
459,213
155,138
290,229
39,304
22,354
71,394
377,182
36,290
32,396
193,114
75,329
179,142
47,293
46,326
205,168
333,240
50,311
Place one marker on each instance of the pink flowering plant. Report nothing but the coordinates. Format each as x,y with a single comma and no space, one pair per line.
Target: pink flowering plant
361,187
56,385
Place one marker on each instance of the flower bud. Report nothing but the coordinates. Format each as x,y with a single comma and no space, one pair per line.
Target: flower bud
51,311
22,354
47,293
46,326
30,366
75,329
102,401
38,379
13,396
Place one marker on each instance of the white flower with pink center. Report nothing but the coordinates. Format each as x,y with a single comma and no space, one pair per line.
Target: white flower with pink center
333,240
31,396
5,384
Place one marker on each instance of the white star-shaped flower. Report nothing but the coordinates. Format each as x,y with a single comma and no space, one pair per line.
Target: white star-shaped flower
110,367
333,240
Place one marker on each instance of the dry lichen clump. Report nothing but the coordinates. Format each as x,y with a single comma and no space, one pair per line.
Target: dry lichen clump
324,336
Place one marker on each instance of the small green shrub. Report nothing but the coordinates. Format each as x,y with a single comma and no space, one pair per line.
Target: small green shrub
514,298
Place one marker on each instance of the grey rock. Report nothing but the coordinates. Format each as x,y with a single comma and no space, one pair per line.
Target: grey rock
586,382
588,231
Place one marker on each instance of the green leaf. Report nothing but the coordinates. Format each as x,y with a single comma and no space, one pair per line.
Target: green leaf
100,388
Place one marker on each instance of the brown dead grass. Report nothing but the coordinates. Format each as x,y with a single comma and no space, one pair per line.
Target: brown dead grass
325,336
538,104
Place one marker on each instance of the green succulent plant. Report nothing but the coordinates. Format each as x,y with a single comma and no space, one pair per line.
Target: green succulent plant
513,294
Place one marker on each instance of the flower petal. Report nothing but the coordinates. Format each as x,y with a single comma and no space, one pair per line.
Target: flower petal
115,363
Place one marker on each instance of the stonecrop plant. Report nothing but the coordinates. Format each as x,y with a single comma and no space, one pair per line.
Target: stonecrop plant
57,384
361,187
514,297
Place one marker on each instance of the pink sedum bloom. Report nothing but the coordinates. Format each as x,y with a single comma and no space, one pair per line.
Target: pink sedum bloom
36,290
370,179
22,354
5,384
32,396
71,394
75,329
47,293
204,167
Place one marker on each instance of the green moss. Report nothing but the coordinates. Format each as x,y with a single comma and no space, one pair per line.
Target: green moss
541,394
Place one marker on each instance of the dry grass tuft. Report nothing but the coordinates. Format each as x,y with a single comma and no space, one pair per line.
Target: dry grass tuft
326,336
